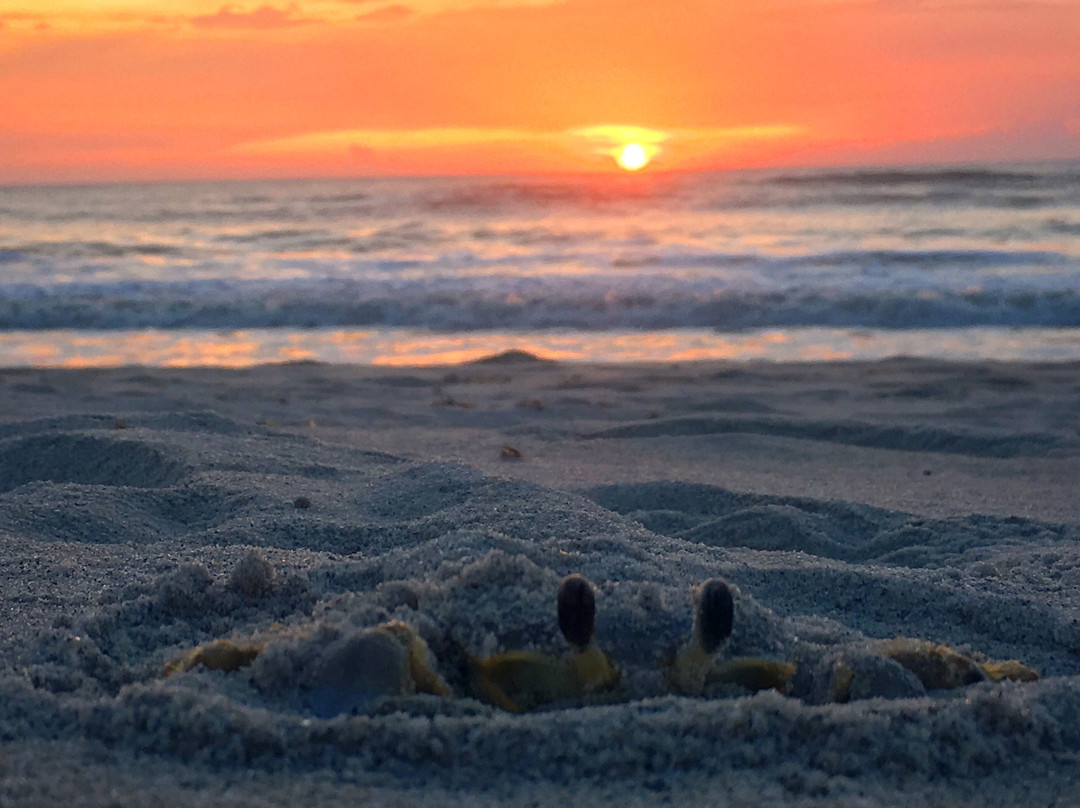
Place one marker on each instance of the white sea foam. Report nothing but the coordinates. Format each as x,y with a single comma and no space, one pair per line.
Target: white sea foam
912,249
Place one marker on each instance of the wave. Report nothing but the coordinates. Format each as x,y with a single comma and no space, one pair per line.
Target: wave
723,251
419,244
90,249
973,188
880,176
584,304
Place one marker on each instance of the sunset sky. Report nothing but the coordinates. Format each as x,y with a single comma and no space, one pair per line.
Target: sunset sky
172,89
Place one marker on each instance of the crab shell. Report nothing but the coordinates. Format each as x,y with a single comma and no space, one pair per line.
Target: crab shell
230,655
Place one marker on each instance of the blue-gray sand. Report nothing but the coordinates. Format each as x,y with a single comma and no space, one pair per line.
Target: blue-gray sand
305,507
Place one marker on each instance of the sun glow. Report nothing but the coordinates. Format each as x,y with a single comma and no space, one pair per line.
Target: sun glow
633,157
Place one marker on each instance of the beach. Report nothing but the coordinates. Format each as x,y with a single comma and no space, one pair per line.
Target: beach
146,512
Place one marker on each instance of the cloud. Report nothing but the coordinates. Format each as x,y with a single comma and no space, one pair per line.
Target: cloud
20,17
387,14
583,144
432,7
262,17
389,139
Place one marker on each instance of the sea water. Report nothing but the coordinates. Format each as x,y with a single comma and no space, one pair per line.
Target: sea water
953,262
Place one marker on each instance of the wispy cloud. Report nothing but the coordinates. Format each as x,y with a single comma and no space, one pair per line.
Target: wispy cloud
389,140
940,5
588,142
20,17
429,7
392,13
262,17
609,139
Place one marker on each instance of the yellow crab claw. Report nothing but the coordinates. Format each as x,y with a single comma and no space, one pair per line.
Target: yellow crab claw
519,680
939,666
231,655
1010,669
219,655
591,669
752,673
694,665
421,660
522,680
713,614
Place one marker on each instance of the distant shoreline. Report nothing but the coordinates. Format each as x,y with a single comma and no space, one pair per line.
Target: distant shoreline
244,348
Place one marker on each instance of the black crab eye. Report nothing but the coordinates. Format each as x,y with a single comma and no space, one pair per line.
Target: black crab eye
715,610
577,610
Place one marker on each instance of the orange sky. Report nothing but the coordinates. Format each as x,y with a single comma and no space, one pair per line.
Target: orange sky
163,89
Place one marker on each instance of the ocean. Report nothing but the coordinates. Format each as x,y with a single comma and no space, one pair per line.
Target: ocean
842,263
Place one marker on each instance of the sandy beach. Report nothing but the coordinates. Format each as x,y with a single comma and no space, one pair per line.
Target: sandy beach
298,507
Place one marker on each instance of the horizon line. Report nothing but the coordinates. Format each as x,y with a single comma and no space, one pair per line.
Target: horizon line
616,176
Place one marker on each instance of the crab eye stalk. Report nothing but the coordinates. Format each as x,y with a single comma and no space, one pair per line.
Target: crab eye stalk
715,610
577,610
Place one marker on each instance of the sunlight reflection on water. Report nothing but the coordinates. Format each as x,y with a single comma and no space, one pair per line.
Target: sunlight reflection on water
245,348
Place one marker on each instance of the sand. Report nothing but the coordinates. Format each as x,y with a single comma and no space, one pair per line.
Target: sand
144,512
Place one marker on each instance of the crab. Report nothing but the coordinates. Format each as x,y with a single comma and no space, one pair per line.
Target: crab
695,666
521,680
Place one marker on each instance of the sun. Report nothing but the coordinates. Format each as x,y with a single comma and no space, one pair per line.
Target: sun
633,157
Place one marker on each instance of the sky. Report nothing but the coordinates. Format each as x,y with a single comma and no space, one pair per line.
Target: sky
117,90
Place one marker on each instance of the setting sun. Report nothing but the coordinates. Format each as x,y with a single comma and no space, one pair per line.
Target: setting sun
633,157
269,88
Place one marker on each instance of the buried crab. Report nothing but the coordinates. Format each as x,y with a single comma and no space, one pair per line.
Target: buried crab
521,680
391,659
696,665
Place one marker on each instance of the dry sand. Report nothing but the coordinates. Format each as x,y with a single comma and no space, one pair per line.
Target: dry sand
844,502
